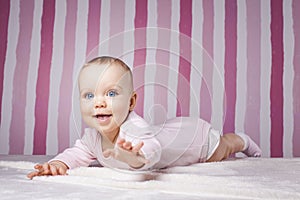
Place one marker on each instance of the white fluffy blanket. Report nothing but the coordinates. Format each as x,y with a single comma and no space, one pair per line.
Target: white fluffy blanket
247,178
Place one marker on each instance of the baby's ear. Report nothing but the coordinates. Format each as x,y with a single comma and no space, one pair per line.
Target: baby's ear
132,101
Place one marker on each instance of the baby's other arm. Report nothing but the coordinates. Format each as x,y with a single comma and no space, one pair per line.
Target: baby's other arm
79,155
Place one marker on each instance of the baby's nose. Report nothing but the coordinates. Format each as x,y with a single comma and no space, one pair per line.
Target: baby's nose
100,102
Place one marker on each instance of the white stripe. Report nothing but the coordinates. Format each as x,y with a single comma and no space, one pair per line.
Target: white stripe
266,57
32,77
241,67
150,62
55,77
104,27
174,60
288,77
128,49
80,51
9,69
197,51
218,73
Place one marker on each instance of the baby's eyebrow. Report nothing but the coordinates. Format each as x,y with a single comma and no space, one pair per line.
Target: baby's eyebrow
84,90
115,87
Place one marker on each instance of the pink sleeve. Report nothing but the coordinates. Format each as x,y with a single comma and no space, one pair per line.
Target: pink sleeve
78,156
152,152
136,129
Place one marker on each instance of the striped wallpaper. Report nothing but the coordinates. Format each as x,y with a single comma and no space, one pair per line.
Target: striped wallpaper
234,63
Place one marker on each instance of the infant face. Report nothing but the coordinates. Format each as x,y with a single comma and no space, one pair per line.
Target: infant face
106,96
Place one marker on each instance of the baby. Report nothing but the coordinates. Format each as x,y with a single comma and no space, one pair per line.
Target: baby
119,138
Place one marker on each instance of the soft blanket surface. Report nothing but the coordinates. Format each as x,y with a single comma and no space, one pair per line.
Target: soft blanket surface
247,178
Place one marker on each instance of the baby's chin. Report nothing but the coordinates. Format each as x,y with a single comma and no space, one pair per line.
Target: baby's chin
107,129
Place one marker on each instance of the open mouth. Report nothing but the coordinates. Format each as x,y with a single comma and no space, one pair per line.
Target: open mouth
103,116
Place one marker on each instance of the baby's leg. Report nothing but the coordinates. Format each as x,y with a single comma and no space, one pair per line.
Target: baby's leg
229,143
232,143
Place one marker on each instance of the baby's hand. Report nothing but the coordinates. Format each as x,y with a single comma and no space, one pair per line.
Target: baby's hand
53,168
127,153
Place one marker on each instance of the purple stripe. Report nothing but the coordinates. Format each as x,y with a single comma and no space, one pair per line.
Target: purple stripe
140,23
252,118
65,106
230,64
296,83
93,29
4,16
17,126
162,56
207,42
183,88
277,79
43,80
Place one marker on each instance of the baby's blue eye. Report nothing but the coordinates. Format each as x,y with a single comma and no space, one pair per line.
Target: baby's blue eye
89,96
111,93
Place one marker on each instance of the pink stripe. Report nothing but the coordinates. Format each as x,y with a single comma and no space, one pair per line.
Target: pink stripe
93,29
277,79
208,65
117,21
43,81
17,126
185,28
296,83
140,43
65,106
230,64
252,118
162,56
4,16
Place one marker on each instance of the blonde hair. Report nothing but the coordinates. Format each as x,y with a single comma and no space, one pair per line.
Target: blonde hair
107,60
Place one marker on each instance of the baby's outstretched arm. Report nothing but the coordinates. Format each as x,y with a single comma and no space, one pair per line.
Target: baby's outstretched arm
53,168
126,152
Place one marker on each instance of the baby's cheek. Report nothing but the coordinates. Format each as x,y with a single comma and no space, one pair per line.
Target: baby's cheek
86,110
119,105
86,106
120,115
